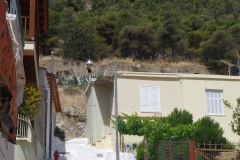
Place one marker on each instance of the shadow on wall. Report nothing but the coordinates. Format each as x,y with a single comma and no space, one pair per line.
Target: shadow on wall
102,95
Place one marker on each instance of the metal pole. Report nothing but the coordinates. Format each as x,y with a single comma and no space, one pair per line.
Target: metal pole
45,122
116,108
51,95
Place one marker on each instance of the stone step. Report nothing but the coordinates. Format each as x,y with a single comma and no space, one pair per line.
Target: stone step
105,143
79,149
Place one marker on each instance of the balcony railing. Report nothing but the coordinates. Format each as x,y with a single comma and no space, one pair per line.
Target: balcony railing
24,130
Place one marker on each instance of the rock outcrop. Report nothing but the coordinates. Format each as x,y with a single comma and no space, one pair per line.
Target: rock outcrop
71,123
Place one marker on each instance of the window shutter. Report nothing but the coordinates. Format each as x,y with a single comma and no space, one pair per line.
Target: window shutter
214,102
150,99
155,102
145,98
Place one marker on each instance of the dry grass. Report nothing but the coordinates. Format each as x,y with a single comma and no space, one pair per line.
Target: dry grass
154,63
75,100
48,58
108,61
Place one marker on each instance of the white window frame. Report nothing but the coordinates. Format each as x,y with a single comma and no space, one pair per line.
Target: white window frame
214,102
143,104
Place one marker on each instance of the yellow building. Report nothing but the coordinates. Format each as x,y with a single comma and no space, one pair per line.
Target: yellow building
158,93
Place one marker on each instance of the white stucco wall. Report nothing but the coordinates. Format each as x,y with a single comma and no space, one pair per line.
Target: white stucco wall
28,151
99,112
7,152
194,98
129,94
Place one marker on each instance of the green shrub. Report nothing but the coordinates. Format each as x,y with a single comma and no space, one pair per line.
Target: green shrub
209,131
179,117
72,90
140,151
31,97
141,70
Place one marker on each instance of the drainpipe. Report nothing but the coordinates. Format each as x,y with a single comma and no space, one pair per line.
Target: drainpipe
45,123
92,111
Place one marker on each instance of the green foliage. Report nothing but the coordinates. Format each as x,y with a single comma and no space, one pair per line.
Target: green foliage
178,125
179,150
209,131
72,90
79,44
140,151
141,70
139,43
178,117
31,97
153,129
216,48
204,31
64,79
235,122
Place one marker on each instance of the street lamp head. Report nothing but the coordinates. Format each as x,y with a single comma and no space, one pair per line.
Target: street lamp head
89,63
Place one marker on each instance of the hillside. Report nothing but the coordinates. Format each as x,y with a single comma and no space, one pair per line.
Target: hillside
205,31
175,36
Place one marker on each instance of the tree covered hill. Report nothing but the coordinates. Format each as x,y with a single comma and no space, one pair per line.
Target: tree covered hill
206,31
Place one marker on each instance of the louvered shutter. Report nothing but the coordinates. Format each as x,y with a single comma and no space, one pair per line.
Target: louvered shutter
150,98
214,102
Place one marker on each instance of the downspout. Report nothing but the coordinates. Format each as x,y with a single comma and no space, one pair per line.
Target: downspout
181,89
92,111
45,123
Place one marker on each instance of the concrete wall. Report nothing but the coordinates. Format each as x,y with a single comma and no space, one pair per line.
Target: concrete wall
194,98
129,94
7,152
28,151
89,113
99,112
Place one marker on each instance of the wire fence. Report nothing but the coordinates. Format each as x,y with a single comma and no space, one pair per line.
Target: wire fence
172,150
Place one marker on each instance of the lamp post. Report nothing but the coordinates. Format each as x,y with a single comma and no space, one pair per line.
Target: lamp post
89,65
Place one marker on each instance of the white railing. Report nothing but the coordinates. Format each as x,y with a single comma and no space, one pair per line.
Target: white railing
24,129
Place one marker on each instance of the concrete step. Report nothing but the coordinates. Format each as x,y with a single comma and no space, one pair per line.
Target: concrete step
105,143
79,149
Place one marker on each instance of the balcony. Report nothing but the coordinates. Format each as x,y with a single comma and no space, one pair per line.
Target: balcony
24,129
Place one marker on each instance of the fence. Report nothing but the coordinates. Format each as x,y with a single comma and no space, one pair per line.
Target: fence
187,150
174,150
208,151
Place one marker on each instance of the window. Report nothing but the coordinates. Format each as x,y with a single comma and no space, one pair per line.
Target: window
214,102
150,99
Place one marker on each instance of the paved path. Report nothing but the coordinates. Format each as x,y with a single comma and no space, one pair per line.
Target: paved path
79,149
